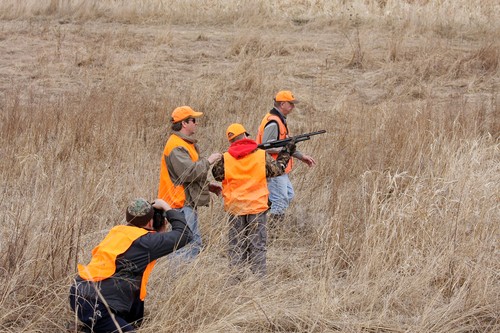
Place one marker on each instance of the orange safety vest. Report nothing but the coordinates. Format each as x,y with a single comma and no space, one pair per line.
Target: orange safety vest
167,190
103,262
283,134
244,187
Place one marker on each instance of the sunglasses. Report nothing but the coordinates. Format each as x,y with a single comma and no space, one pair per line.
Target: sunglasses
191,119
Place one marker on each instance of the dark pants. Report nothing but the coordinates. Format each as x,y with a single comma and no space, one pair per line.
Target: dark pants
248,242
96,317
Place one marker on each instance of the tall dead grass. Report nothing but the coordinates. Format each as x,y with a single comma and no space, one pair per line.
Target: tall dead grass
395,230
442,16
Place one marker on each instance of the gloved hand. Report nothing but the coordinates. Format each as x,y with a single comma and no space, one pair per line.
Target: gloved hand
215,188
290,148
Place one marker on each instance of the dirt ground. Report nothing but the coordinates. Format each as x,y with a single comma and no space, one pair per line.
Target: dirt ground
330,65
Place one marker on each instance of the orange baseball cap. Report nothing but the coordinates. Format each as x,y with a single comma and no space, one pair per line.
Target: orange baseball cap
234,130
184,112
285,96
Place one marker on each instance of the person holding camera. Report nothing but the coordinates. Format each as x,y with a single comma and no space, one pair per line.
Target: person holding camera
183,174
243,171
108,294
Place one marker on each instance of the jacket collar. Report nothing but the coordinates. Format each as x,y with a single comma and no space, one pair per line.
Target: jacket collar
276,112
185,137
242,148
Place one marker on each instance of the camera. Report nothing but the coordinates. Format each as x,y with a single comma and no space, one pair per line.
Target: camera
159,218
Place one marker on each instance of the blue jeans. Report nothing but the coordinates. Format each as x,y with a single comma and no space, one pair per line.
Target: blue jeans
191,250
280,193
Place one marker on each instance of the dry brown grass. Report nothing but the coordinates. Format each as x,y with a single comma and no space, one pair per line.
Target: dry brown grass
395,230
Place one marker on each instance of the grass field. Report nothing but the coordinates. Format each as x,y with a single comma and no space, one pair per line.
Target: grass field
395,230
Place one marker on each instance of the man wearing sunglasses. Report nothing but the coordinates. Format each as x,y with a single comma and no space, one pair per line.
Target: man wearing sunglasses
183,174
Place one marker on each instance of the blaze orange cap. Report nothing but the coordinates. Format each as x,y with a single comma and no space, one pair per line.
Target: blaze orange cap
285,96
184,112
234,130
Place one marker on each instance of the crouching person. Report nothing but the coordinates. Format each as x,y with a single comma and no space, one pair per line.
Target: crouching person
108,294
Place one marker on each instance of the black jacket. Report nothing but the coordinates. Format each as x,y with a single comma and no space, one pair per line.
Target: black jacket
123,287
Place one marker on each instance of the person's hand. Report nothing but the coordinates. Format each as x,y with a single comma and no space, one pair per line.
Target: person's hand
161,204
308,160
214,158
290,148
215,188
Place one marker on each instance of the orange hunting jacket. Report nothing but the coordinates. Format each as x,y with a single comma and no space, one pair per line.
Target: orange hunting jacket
283,134
173,194
103,262
244,187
